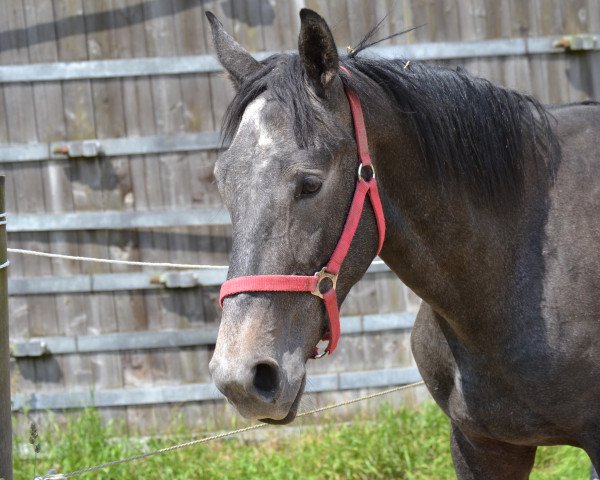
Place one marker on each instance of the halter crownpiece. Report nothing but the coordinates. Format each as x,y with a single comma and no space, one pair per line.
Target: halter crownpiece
323,283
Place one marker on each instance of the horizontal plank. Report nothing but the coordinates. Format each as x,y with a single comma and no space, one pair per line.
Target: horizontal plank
155,144
117,220
130,67
113,282
199,392
191,337
110,147
505,47
135,67
103,282
13,153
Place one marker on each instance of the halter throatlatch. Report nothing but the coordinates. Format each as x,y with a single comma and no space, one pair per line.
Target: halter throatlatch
323,283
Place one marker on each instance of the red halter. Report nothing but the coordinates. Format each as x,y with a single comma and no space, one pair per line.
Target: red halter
366,184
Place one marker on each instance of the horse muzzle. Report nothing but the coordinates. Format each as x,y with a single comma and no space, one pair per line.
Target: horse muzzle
258,387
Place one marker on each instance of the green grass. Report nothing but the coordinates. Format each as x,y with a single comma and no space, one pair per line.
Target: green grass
400,444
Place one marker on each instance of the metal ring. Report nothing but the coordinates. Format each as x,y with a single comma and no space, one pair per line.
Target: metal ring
360,172
4,265
322,275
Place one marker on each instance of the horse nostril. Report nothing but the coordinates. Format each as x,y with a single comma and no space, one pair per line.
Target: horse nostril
266,380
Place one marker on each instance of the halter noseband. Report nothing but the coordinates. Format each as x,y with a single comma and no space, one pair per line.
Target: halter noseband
323,283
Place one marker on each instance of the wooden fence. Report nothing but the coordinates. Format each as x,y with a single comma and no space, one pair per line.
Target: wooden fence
108,137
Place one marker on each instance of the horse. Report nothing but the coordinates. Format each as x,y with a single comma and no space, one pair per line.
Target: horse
490,202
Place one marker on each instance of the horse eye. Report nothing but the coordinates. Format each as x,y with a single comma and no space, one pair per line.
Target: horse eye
310,185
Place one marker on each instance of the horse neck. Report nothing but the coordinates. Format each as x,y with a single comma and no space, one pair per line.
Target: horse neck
458,256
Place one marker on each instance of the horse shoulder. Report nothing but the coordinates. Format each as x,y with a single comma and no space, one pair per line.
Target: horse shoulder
478,391
571,253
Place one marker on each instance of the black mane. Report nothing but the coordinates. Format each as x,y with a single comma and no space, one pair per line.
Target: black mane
469,130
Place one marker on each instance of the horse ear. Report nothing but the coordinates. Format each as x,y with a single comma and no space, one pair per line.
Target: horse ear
237,61
317,50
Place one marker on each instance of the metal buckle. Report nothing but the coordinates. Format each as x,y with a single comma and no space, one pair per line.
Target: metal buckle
369,167
322,275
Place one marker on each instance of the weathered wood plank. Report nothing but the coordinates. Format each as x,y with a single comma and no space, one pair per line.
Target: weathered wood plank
169,170
85,177
22,377
48,99
146,192
347,380
110,122
21,115
197,117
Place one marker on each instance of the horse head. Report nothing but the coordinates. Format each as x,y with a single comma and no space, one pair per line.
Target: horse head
288,179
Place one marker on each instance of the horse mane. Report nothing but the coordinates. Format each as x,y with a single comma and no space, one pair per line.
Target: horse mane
470,131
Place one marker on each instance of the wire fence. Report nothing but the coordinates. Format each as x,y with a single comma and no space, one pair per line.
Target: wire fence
116,262
59,476
128,262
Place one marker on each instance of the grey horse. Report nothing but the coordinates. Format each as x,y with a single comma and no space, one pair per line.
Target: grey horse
492,205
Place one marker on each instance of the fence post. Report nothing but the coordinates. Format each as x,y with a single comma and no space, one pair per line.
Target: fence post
6,470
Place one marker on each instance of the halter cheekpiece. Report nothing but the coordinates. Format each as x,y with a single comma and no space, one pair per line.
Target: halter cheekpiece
323,283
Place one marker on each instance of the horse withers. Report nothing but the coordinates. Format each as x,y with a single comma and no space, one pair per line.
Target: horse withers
492,216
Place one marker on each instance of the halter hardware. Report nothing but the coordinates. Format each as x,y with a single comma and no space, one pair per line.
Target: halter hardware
366,172
321,275
316,356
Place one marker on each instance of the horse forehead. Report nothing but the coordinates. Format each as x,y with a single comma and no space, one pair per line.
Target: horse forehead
264,121
262,139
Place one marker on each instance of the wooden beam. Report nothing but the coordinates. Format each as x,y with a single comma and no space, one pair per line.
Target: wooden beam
136,67
199,392
190,337
117,220
114,282
110,147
